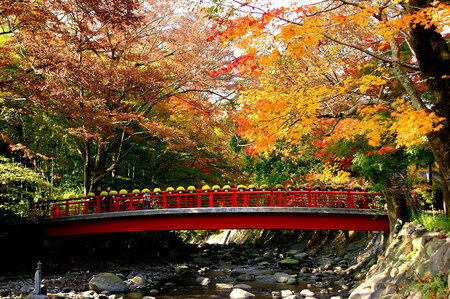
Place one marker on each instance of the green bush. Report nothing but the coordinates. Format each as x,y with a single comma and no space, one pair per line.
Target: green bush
72,196
251,186
170,189
90,194
180,188
263,186
433,286
191,188
146,190
216,187
206,187
156,190
113,192
123,192
136,191
241,187
433,221
226,187
278,186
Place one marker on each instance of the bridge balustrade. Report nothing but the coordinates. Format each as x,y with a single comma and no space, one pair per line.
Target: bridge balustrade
204,199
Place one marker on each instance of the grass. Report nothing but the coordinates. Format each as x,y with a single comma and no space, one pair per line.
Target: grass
433,220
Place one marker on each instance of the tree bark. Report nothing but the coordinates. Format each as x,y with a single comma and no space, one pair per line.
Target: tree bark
394,194
433,57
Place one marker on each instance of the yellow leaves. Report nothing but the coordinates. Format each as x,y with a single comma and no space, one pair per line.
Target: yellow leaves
332,174
368,81
412,125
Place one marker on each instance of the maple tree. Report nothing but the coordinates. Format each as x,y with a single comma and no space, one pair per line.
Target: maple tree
110,75
342,70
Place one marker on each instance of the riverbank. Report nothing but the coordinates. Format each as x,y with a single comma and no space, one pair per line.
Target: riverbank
273,267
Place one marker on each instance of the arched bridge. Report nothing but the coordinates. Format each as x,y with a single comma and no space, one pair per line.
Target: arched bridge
218,209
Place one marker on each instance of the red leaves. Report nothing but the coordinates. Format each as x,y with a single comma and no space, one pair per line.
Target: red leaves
383,151
238,61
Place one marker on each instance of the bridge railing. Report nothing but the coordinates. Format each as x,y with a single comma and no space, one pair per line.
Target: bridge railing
203,199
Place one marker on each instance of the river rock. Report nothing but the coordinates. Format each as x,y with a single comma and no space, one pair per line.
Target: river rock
26,289
221,285
107,282
281,277
243,286
246,277
307,293
139,281
298,247
286,293
202,261
292,280
240,294
205,282
300,256
289,263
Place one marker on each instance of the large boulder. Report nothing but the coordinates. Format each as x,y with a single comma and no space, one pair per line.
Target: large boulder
107,282
281,277
240,294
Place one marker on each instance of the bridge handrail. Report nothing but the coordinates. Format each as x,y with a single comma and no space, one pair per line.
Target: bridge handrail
199,198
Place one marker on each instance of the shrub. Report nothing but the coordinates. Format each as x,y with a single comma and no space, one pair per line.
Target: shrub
340,187
59,198
81,195
279,186
180,188
156,190
241,187
302,186
251,186
206,187
136,191
328,187
263,186
123,192
432,221
316,187
50,198
226,187
191,188
72,196
113,192
170,189
357,187
216,187
90,194
147,190
104,193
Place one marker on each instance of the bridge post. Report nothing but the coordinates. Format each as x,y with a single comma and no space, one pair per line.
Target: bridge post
98,204
244,200
309,198
199,200
211,200
350,200
130,201
164,201
178,201
271,198
67,207
234,199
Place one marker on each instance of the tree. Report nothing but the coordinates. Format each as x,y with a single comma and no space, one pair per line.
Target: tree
107,74
343,70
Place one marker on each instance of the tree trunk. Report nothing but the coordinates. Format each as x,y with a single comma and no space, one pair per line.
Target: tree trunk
433,57
394,194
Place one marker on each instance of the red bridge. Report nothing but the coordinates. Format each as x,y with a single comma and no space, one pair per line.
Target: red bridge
218,209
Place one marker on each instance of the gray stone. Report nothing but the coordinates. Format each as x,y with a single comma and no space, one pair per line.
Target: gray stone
240,294
246,277
202,261
306,293
281,277
440,261
26,289
34,296
276,294
286,293
298,247
205,282
419,243
300,256
154,292
292,280
224,286
243,286
108,282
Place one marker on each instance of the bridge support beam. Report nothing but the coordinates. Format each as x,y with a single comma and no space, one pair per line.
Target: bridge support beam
253,220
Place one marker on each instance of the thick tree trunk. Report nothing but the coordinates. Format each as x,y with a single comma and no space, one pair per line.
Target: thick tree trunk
433,57
394,194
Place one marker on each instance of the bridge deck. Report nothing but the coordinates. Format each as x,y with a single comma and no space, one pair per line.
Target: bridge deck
262,209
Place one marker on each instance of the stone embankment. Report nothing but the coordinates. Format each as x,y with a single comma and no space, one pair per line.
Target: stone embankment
416,257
